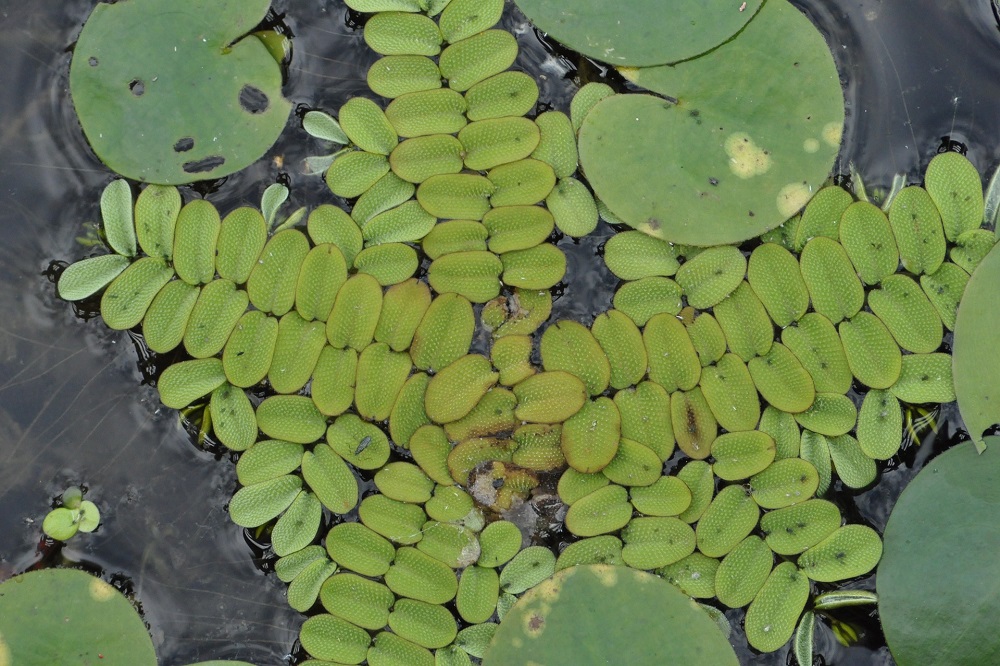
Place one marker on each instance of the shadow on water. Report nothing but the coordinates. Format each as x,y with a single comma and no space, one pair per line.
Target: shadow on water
74,407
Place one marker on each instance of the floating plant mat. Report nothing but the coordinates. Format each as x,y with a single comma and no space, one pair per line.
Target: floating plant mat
167,92
639,33
747,135
596,614
321,356
937,583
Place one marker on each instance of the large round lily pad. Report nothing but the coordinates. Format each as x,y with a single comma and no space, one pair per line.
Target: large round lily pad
640,32
65,616
166,94
598,614
939,579
754,132
975,363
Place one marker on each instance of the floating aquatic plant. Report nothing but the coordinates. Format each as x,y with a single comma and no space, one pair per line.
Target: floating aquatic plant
75,515
62,616
358,365
721,163
177,101
945,515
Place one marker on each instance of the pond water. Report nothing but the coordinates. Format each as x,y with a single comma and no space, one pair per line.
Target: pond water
76,404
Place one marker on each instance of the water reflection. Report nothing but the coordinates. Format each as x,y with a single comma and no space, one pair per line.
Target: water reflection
73,408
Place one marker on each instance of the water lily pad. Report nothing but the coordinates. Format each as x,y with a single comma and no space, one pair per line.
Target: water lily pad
599,613
753,152
974,360
61,616
914,591
180,100
649,33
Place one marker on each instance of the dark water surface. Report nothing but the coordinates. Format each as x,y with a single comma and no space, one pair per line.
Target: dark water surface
74,407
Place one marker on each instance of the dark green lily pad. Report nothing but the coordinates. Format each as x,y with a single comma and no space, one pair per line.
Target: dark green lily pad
937,588
595,614
65,616
168,93
975,363
642,32
754,132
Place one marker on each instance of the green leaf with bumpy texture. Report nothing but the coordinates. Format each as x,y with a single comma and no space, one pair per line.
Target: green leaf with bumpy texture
250,348
867,238
773,274
331,479
712,275
181,100
219,307
473,59
255,505
128,297
358,548
233,420
796,528
355,313
872,354
956,189
444,333
505,94
731,394
272,282
642,299
771,618
833,284
916,223
944,288
907,313
88,276
741,180
167,317
815,342
183,383
880,425
622,344
397,75
156,210
782,380
570,346
743,572
293,418
397,33
440,111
